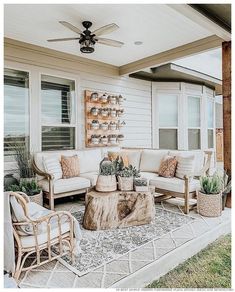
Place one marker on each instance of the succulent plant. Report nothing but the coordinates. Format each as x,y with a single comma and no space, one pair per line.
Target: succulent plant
211,184
107,167
140,182
30,188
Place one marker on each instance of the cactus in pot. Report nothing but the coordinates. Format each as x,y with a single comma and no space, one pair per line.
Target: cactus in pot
104,140
94,111
209,197
104,98
112,99
113,112
104,126
112,126
112,139
104,112
120,112
94,97
120,138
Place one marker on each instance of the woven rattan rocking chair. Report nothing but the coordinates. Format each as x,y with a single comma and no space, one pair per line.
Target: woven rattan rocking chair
56,230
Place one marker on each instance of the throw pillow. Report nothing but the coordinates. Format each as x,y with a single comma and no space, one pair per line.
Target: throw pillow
168,166
113,156
53,166
70,166
185,166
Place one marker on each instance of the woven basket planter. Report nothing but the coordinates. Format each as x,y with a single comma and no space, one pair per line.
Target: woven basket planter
38,199
209,205
125,183
106,183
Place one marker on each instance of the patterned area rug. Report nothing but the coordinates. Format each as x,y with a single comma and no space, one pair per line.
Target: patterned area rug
100,247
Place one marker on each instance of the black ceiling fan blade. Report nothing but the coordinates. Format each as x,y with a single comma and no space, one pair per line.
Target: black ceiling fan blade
71,27
109,42
105,29
61,40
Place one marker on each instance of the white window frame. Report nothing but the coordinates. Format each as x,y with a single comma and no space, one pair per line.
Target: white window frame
199,96
155,113
9,166
73,125
208,97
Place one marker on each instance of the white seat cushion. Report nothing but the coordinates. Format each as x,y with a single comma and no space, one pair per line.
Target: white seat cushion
151,160
174,184
66,185
29,241
92,176
148,175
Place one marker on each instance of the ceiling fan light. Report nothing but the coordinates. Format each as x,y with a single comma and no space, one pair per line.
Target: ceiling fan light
87,46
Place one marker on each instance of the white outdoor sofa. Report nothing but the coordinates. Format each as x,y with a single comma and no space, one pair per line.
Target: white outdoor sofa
147,160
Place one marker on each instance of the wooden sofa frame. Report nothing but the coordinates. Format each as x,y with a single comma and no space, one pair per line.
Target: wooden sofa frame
186,195
50,195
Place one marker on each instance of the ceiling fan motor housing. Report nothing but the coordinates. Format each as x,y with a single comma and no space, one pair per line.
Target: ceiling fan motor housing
87,40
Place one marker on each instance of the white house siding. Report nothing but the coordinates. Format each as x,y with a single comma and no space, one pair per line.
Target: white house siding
137,93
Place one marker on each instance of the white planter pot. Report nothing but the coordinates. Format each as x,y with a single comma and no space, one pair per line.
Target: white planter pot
141,188
95,114
113,101
104,114
209,205
106,183
125,183
104,127
113,114
113,141
95,126
95,141
120,140
112,127
104,141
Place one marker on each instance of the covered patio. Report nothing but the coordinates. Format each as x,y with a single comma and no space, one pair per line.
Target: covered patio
159,90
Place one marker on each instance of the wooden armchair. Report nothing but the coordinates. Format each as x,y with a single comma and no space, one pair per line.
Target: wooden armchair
44,233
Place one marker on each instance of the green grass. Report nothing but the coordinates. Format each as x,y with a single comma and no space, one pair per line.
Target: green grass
210,268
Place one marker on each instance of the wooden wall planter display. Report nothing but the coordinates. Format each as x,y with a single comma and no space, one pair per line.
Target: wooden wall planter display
103,114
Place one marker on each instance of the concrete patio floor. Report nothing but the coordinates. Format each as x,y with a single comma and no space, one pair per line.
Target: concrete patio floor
139,267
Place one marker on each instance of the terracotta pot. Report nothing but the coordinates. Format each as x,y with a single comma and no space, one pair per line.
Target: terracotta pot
209,205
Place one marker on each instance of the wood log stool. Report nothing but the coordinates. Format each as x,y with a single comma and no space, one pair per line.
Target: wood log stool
118,209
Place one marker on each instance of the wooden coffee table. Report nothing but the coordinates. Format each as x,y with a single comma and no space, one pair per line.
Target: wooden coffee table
118,209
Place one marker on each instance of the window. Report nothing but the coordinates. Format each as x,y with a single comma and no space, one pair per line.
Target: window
194,140
168,121
57,113
16,111
210,122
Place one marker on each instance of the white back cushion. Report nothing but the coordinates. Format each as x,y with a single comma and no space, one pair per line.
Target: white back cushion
52,165
133,157
198,162
185,166
151,159
89,160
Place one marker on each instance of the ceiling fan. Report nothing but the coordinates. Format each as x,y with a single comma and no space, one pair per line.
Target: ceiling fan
87,39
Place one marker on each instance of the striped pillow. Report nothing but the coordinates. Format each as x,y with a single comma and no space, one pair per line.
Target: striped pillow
53,166
185,166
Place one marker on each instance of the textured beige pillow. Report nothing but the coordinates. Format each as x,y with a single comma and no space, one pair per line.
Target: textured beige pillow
70,166
185,166
168,166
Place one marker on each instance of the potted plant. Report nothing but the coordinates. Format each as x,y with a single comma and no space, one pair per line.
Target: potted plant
106,181
120,112
112,139
120,124
104,98
120,99
104,140
112,99
104,126
120,138
104,112
141,184
94,111
95,125
30,188
125,176
94,97
112,126
209,197
9,180
227,186
23,159
95,139
113,112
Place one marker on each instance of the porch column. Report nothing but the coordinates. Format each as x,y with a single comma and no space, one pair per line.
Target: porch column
226,68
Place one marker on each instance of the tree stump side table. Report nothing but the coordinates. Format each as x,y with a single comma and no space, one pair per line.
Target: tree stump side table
118,209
